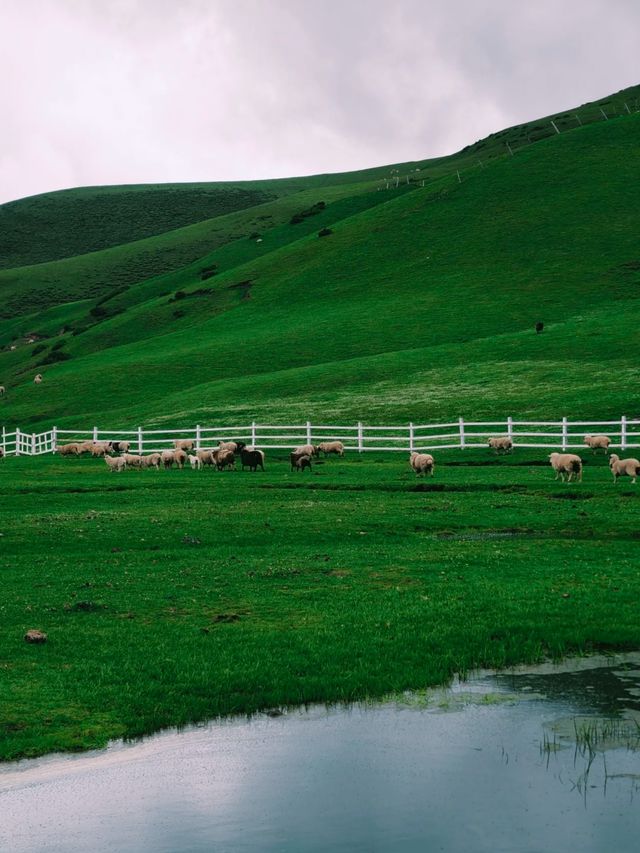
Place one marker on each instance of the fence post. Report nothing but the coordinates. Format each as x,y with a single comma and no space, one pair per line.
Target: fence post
623,432
54,439
33,444
510,428
17,441
411,437
139,439
461,428
197,436
308,432
4,441
95,433
360,438
253,433
565,434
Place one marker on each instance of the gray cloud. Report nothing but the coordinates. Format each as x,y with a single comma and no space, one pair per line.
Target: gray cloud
131,91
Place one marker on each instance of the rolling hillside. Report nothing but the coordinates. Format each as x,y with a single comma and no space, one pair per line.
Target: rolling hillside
217,302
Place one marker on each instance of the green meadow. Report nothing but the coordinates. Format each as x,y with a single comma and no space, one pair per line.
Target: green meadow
176,596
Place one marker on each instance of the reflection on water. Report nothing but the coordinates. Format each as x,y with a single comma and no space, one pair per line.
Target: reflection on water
535,759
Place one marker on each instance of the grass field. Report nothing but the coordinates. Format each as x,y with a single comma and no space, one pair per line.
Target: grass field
177,596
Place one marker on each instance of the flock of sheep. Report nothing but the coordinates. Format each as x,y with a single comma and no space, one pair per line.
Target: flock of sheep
184,452
568,466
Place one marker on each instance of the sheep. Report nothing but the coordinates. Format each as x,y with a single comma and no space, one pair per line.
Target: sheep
207,456
180,458
151,461
37,378
253,449
85,447
226,459
251,459
300,461
422,463
168,458
195,462
183,443
233,446
120,446
71,449
566,465
501,444
1,452
115,463
595,442
132,459
305,450
623,467
3,390
328,447
100,448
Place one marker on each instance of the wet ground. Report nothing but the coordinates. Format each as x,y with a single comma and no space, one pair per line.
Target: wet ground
534,759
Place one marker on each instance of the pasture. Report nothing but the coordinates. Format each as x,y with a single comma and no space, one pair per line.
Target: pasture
174,596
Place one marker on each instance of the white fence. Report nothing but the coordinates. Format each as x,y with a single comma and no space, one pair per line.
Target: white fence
563,434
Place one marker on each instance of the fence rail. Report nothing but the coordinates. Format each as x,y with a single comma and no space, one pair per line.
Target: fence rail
362,438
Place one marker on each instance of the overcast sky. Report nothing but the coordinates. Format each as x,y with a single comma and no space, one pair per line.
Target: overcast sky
137,91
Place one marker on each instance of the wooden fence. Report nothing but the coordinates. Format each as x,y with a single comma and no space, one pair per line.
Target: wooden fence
362,438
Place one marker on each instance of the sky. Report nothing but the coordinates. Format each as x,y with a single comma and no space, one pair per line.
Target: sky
149,91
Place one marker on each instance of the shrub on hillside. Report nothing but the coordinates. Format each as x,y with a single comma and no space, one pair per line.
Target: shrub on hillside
54,356
325,232
98,312
38,349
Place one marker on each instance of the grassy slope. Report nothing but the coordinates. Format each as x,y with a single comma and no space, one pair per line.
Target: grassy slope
400,590
437,288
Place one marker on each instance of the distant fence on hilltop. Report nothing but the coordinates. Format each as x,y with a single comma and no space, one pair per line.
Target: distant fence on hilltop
563,434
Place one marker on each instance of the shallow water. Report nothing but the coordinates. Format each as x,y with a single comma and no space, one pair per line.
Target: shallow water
538,759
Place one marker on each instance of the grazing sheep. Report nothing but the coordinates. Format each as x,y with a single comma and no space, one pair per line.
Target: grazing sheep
233,446
85,447
151,461
120,446
1,452
100,448
183,443
180,458
623,467
305,450
115,463
597,442
71,449
195,462
566,465
501,444
207,456
133,460
253,449
422,463
168,458
3,390
328,447
37,378
226,459
300,461
252,459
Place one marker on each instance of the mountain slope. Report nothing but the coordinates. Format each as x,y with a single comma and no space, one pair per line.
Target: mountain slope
418,306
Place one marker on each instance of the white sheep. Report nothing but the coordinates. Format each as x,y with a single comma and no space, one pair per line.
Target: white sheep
501,444
37,378
195,462
71,449
132,460
624,467
168,458
304,450
566,465
3,390
422,463
597,442
115,463
151,461
328,447
183,444
207,456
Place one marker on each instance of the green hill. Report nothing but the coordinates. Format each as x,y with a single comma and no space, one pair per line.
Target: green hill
420,304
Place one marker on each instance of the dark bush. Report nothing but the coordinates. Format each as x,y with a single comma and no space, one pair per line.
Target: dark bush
38,349
179,313
539,327
54,356
296,218
255,235
58,345
178,295
205,274
325,232
98,311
